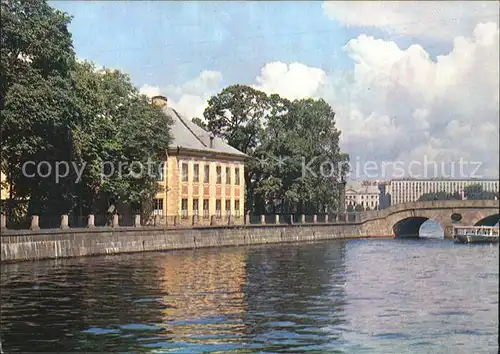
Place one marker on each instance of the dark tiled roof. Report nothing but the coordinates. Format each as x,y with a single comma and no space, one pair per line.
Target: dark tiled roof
188,135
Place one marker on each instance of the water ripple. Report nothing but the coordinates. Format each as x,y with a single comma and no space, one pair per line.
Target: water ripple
358,296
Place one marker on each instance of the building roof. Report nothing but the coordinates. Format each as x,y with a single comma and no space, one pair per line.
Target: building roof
188,135
358,188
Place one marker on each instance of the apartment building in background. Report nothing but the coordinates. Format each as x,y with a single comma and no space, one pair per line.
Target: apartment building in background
202,175
410,190
363,193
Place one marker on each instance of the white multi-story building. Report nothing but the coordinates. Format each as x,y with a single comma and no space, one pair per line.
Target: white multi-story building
410,190
364,193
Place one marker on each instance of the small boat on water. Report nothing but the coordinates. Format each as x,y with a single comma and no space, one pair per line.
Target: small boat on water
476,234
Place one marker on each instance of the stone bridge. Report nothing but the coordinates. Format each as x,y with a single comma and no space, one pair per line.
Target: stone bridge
404,220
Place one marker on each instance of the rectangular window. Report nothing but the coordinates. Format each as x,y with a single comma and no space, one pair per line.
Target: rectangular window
206,204
158,207
228,175
184,208
237,208
206,174
160,172
228,207
185,172
218,207
196,173
237,176
219,174
195,206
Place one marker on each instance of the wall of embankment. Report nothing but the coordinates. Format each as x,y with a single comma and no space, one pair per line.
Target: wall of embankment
48,244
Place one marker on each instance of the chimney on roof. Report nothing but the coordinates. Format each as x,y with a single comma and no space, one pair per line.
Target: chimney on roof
160,101
211,141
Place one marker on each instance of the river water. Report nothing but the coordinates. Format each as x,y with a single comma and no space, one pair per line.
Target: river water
356,296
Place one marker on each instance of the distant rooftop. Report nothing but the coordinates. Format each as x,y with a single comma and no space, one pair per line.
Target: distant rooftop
188,135
358,187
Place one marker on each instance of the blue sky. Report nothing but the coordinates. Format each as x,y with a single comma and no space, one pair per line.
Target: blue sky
158,41
414,81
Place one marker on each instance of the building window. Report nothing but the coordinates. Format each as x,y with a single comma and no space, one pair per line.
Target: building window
195,206
218,208
160,172
158,207
237,176
228,207
184,208
206,204
196,173
228,175
237,208
219,174
184,172
206,174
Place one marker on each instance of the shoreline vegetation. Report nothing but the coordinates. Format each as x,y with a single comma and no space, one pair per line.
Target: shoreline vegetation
58,108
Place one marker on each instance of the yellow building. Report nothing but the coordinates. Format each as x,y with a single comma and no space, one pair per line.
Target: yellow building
4,188
203,176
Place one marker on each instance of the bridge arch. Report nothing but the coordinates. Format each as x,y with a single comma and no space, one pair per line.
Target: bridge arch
406,219
490,220
411,226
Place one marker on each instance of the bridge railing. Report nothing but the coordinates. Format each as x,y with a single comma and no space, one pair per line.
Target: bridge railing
434,204
36,222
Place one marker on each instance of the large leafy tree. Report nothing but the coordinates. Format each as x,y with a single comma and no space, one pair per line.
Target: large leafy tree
56,109
282,138
117,128
35,95
237,115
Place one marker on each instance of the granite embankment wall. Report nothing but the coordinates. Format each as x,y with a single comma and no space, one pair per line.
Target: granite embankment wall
45,244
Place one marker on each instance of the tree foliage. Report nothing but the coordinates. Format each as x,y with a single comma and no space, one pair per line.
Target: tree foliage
295,159
473,191
476,192
55,109
439,196
199,122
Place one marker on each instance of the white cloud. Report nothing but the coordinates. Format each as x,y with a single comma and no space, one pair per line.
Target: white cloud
191,97
396,104
291,81
149,91
438,20
447,109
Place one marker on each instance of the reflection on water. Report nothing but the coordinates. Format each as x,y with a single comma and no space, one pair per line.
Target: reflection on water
365,296
204,293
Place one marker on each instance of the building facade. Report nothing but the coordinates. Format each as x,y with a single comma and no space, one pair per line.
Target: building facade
406,190
202,175
4,188
362,193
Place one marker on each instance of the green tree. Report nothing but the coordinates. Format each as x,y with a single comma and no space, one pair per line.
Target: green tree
118,126
237,114
59,110
35,95
359,208
199,123
281,137
476,192
439,196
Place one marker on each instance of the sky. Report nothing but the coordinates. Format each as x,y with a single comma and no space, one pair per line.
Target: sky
416,83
